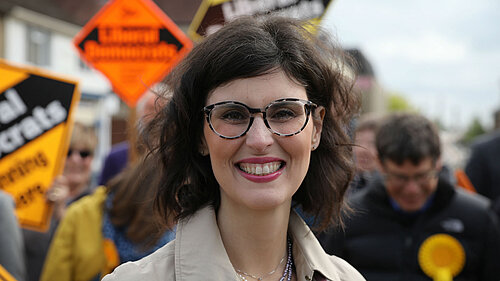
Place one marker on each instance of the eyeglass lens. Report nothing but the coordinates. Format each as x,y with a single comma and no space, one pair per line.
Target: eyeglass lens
284,118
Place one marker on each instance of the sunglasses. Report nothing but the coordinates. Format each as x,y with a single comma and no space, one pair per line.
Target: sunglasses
83,153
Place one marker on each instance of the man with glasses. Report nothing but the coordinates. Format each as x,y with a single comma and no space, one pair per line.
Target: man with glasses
394,215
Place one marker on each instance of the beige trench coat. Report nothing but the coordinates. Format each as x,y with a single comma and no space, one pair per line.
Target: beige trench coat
197,253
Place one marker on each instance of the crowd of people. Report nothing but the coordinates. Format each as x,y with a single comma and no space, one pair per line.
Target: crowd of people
245,170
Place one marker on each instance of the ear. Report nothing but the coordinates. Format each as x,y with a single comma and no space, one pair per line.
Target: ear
317,117
202,147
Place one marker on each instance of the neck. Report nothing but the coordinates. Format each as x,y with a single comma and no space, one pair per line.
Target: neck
255,240
75,190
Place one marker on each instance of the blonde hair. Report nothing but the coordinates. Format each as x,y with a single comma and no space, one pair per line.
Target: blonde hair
83,135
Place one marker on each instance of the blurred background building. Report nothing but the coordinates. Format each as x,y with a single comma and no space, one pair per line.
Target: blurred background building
40,33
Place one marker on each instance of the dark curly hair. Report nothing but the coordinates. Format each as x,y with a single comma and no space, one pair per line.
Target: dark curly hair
250,47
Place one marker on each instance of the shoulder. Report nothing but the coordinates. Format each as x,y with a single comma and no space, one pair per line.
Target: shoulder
361,195
91,203
160,265
345,270
84,216
487,141
473,209
472,201
6,202
96,197
8,219
370,197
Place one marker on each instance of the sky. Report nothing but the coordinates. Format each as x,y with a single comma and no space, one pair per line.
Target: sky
443,56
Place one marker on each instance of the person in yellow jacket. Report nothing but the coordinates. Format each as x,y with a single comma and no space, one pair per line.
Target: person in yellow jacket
108,227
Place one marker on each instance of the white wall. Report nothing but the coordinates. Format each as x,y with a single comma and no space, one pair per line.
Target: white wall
15,40
64,59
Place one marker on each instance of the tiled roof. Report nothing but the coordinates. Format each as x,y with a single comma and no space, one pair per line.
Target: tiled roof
80,12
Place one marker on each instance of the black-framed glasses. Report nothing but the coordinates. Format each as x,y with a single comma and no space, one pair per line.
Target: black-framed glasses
283,117
420,179
83,153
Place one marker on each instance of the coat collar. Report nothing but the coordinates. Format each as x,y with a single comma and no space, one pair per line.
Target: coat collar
200,252
309,256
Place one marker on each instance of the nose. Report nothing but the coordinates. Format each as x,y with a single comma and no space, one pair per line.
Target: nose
259,137
412,186
74,156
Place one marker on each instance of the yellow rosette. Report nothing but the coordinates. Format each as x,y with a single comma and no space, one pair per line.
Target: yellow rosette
441,257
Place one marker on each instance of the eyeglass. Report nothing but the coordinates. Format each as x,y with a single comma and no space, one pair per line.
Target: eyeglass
420,179
83,153
283,117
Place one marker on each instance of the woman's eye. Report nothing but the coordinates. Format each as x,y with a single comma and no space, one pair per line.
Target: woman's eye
283,114
233,115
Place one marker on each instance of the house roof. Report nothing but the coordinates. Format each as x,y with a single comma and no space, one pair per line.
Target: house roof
80,12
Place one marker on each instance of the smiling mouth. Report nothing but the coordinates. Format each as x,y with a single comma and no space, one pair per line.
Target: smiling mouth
261,169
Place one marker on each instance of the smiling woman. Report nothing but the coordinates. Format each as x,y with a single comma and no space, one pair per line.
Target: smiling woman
258,120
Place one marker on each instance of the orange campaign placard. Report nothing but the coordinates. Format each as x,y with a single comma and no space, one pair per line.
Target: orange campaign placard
134,44
213,14
35,122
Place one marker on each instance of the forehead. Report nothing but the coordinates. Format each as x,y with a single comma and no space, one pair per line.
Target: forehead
407,167
258,91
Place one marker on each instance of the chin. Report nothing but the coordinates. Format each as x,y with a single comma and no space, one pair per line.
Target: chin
264,203
411,207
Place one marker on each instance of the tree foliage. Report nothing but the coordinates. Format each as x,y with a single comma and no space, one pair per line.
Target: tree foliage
474,129
398,102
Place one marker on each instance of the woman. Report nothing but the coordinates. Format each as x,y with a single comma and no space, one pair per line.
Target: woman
75,179
239,142
111,226
71,185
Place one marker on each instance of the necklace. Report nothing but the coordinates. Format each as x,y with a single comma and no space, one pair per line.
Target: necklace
287,273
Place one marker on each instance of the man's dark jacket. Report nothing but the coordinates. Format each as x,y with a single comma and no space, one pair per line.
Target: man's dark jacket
383,243
483,167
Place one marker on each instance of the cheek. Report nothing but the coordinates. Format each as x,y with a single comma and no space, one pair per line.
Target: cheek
389,189
299,150
88,163
71,164
431,187
220,150
393,191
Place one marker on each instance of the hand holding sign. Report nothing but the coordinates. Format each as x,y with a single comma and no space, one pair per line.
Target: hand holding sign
58,194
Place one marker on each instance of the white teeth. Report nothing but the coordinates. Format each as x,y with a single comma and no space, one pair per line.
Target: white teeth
265,169
260,169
